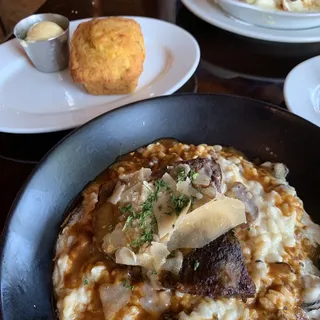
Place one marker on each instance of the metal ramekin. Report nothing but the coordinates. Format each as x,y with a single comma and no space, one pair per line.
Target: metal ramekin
47,55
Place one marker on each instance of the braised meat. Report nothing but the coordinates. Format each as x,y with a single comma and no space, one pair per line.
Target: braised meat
210,166
217,270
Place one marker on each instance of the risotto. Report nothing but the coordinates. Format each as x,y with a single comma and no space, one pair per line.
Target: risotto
177,231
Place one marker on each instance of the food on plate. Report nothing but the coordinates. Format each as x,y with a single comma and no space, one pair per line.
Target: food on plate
287,5
43,30
107,55
177,231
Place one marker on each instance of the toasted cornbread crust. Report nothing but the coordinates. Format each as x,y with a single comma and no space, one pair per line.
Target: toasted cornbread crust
107,55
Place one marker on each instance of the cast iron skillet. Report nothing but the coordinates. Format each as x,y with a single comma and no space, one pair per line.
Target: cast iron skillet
258,129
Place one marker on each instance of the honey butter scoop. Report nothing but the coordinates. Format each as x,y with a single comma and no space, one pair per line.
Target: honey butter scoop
44,30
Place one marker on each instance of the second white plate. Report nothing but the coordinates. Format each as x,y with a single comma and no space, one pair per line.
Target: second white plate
35,102
214,15
302,90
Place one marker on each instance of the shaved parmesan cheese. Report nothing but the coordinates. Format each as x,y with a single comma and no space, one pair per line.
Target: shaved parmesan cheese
126,256
202,179
161,211
114,240
210,192
137,194
117,192
154,280
145,260
136,188
153,257
181,217
166,223
206,171
186,188
143,174
181,169
159,252
132,194
174,264
207,223
170,181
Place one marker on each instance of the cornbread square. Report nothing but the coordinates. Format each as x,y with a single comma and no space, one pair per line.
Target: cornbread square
107,55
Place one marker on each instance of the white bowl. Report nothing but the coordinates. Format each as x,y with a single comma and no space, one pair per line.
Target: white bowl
269,18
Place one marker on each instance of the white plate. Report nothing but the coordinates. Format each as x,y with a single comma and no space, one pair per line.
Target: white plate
35,102
270,18
214,15
302,90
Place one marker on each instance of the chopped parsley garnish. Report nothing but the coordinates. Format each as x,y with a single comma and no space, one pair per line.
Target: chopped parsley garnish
160,184
127,209
179,202
193,174
154,272
147,206
147,236
196,265
146,212
127,223
147,233
136,243
127,284
192,202
86,282
182,174
146,218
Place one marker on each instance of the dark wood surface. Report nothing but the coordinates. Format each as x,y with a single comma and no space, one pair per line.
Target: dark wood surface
229,64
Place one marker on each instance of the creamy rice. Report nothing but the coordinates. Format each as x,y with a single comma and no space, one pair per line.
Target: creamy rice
276,248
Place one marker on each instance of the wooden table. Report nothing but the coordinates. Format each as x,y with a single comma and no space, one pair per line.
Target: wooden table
229,64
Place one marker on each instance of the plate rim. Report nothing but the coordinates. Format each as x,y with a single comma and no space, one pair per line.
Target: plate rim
195,8
189,71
